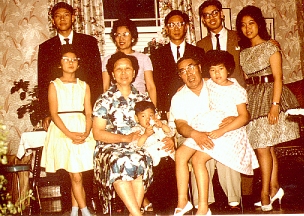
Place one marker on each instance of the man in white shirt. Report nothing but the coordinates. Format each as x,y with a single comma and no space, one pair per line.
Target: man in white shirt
191,100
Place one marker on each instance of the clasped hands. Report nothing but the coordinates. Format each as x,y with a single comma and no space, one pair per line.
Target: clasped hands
203,139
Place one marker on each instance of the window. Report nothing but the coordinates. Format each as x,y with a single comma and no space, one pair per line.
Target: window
143,12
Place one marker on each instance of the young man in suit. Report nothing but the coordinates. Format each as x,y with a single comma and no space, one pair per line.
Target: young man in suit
164,59
49,56
212,16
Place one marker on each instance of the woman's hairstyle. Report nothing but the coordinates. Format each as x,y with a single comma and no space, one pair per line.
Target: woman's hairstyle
120,55
142,106
256,14
129,24
217,57
62,5
208,3
177,13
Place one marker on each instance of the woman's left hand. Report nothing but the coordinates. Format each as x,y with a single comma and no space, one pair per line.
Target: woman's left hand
273,115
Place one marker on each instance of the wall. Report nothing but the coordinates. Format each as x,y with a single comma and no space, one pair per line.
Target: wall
289,29
23,27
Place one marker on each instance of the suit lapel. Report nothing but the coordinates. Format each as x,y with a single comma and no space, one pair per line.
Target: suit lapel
233,43
168,53
209,44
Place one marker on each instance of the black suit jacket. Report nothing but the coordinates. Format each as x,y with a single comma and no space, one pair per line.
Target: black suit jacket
165,73
49,56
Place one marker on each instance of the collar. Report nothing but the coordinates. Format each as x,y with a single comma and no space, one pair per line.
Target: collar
118,94
174,46
62,38
222,33
181,49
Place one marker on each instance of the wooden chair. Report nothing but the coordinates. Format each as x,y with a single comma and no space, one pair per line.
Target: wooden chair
15,169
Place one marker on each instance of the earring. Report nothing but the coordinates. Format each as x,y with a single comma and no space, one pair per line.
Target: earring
133,40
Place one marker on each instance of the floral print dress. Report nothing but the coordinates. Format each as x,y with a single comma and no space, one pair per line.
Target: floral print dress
119,161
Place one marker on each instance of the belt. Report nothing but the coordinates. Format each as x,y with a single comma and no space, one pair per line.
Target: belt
70,112
260,79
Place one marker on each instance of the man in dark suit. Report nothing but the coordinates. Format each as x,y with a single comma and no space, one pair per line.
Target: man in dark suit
212,16
49,56
164,59
50,53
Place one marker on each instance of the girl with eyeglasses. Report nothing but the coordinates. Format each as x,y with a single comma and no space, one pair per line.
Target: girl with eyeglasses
69,143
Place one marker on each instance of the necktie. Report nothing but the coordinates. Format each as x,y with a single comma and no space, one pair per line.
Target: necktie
218,47
66,40
178,54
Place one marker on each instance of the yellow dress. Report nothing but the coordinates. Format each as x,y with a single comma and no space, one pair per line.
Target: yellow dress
59,152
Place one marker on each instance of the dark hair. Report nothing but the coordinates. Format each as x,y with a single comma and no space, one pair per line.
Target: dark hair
65,48
216,57
119,55
192,56
207,3
129,25
256,14
143,105
178,13
62,5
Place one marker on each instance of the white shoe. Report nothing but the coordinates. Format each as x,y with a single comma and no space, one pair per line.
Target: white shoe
181,212
279,195
233,204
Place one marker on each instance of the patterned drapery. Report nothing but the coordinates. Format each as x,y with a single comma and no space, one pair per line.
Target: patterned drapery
165,6
89,19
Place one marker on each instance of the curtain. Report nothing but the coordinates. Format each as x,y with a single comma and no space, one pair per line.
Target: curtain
89,19
165,6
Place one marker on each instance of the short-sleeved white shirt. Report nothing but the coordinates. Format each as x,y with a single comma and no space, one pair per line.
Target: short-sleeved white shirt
186,105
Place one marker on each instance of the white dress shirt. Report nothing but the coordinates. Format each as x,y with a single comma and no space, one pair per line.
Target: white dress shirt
223,39
181,50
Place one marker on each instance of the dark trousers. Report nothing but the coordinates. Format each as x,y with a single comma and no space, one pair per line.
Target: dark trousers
162,193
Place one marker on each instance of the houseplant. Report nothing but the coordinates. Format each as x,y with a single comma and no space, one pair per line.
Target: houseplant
30,95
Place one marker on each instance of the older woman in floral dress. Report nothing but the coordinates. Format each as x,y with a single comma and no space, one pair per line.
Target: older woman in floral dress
117,166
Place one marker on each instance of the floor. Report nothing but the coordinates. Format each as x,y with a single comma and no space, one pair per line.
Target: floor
291,177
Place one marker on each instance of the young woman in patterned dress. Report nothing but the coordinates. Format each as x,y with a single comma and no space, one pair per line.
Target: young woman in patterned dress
268,99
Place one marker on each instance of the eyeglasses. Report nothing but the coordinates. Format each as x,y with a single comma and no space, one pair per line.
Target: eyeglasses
67,59
125,34
214,14
189,70
177,24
